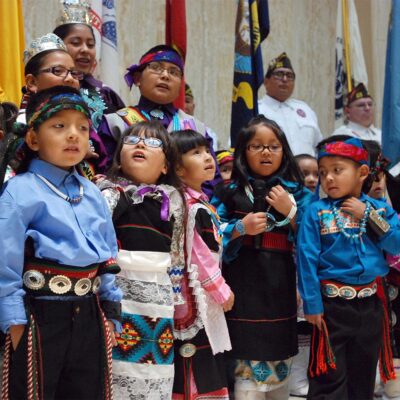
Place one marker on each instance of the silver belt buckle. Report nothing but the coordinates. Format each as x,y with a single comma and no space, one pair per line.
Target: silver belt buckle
330,290
347,292
34,279
366,292
393,292
187,350
60,284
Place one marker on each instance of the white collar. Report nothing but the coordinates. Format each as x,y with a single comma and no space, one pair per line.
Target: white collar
275,104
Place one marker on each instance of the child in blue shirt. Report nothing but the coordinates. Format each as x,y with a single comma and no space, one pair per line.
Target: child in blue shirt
340,260
57,295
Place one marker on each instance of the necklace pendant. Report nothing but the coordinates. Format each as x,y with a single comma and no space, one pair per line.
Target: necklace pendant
156,113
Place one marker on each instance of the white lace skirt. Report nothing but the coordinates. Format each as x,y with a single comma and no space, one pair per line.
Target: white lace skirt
143,360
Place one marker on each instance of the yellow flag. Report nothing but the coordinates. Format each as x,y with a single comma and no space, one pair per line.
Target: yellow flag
12,46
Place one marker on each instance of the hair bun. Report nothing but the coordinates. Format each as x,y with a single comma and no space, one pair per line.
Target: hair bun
19,129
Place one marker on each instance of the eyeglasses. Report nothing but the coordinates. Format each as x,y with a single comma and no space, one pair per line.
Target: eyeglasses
148,141
63,72
368,104
158,68
280,75
258,148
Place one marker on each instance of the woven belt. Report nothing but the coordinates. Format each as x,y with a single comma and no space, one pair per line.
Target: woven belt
46,278
348,292
271,241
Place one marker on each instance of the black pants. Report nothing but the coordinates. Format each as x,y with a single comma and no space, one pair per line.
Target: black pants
72,348
355,332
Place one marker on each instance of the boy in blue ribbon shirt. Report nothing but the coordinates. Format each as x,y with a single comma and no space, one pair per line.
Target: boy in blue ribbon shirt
340,261
57,298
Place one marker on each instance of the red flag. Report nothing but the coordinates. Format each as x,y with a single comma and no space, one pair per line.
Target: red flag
175,36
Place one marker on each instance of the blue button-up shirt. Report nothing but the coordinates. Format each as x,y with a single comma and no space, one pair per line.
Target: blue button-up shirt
77,234
323,252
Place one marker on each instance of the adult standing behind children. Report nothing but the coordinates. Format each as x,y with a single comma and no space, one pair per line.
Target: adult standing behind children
56,253
359,112
295,117
158,76
340,248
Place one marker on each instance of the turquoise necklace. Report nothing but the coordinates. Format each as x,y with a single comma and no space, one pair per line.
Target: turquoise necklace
363,224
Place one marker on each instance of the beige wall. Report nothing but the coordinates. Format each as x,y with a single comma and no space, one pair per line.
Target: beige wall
305,29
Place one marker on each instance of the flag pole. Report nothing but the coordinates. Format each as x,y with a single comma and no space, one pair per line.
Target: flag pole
346,38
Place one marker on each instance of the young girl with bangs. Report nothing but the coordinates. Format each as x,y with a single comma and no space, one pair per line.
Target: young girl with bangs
258,258
148,219
200,326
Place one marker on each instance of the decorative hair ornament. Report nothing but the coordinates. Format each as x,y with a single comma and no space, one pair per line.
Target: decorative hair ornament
74,12
158,55
381,165
49,41
349,148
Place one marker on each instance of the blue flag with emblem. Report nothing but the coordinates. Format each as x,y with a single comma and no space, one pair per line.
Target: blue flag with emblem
391,96
252,27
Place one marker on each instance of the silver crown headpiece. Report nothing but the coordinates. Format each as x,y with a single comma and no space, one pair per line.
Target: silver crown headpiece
49,41
74,12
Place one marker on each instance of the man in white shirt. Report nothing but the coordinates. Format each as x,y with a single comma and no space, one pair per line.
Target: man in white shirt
360,116
297,120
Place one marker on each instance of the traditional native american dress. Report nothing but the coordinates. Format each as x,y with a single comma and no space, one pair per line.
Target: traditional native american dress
262,323
144,218
200,326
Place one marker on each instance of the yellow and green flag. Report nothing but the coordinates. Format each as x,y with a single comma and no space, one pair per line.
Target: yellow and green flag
12,44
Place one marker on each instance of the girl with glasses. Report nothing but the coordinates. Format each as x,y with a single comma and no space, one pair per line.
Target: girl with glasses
261,208
148,218
47,64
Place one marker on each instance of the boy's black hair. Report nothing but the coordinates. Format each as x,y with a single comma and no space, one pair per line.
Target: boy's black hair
8,115
304,156
64,30
187,140
149,129
241,172
374,153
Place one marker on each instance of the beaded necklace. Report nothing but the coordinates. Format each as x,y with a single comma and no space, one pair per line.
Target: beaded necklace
271,220
363,224
73,200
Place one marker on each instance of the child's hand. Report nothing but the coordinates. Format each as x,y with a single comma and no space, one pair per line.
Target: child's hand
315,319
113,334
354,207
227,306
16,332
279,198
254,223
